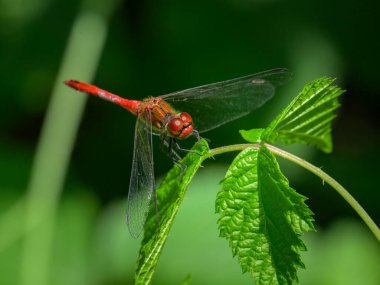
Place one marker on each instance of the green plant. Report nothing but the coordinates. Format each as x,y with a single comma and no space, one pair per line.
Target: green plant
260,214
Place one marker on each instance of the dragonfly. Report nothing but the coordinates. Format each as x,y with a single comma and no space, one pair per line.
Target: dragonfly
210,105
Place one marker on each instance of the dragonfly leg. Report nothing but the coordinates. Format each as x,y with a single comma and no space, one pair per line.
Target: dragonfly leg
198,136
170,152
163,142
175,156
178,147
181,166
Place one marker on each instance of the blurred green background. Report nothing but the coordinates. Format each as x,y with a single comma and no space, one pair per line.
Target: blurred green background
64,174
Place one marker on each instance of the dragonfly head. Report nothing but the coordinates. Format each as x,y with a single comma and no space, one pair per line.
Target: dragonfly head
181,126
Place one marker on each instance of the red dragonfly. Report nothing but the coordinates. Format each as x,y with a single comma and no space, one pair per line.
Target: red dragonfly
211,105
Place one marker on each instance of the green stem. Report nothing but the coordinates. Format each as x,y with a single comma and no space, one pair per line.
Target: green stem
333,183
56,142
317,171
229,148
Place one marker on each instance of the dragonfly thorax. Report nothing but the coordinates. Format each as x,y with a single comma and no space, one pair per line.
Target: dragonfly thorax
165,119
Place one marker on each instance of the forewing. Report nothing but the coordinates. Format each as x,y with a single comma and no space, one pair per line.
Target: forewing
141,186
215,104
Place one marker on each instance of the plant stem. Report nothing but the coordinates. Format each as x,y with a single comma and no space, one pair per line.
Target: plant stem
56,142
333,183
312,168
229,148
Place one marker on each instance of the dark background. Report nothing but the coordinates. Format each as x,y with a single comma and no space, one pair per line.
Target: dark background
156,47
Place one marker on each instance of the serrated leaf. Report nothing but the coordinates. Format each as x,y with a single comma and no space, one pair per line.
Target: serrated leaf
170,194
263,217
253,135
308,117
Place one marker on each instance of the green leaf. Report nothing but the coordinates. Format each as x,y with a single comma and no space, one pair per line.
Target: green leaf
308,117
169,197
263,217
253,136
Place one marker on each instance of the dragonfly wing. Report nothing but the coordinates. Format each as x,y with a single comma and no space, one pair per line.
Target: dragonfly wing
218,103
141,186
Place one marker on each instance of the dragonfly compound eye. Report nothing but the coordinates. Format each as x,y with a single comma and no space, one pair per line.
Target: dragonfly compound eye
181,127
186,118
175,127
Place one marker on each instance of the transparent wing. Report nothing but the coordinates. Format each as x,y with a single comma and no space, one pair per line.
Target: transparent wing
215,104
141,185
